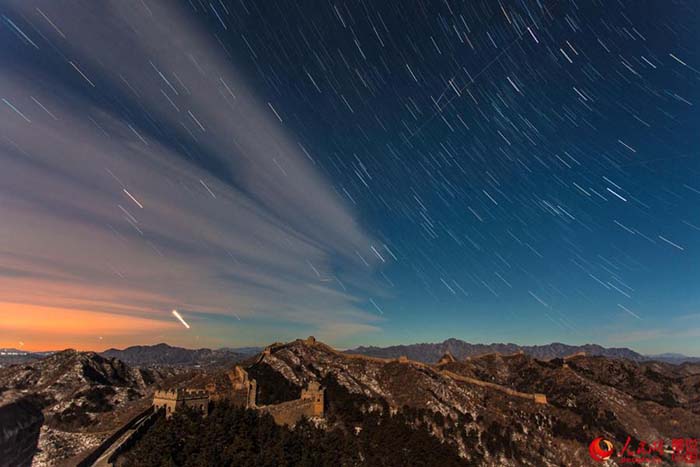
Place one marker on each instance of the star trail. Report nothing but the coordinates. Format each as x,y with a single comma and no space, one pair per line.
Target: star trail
368,172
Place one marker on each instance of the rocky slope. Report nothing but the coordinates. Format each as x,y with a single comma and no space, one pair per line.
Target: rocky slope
587,397
74,398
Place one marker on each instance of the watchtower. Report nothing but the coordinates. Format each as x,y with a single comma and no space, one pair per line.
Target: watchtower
311,340
540,398
173,400
315,393
244,389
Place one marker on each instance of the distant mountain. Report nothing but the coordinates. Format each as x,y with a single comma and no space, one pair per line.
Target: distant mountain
10,356
247,351
675,358
164,354
147,355
58,404
431,353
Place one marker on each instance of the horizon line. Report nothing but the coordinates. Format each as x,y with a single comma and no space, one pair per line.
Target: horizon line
346,349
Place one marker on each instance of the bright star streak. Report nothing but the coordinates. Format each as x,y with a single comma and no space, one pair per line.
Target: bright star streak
177,315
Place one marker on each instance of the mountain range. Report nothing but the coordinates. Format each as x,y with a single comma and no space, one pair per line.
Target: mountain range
147,355
167,355
481,410
164,354
431,352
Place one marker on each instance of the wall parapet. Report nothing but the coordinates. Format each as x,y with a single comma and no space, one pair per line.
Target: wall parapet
180,394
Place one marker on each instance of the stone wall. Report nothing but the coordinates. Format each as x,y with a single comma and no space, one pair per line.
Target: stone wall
290,412
574,355
536,397
145,419
310,405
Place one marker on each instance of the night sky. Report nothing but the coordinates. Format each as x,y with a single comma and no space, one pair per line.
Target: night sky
369,172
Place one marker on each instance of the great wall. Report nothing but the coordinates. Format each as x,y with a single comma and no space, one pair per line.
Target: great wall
447,358
242,392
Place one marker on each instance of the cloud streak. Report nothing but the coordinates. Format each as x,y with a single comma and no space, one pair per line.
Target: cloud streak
140,173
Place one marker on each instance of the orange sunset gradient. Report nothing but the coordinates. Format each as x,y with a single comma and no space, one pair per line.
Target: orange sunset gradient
36,327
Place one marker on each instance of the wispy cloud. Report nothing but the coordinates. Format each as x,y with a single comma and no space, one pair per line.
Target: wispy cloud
140,173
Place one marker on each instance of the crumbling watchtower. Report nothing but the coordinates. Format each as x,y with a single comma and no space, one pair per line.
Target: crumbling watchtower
314,393
175,399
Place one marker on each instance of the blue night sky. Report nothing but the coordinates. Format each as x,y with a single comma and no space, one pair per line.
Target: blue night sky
367,172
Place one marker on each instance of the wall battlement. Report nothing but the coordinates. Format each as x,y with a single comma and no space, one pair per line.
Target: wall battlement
180,394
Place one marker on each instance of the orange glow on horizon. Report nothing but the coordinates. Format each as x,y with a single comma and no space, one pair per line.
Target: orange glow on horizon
54,328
